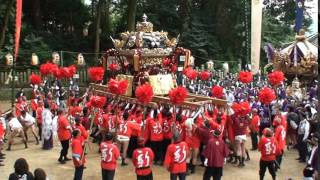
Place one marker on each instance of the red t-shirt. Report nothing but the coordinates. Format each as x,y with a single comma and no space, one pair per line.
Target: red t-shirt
142,159
77,151
1,131
138,119
126,127
176,156
39,114
280,138
267,148
84,132
240,126
109,155
167,128
63,131
155,129
255,123
34,104
85,122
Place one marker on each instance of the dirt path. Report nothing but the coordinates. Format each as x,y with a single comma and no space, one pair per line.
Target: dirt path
47,160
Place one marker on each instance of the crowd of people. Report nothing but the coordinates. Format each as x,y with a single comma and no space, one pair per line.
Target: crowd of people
164,136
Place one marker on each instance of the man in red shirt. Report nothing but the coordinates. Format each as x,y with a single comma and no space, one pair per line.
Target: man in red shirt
109,155
176,158
39,117
77,154
280,138
142,158
125,129
254,128
64,135
155,125
267,147
241,124
214,153
2,132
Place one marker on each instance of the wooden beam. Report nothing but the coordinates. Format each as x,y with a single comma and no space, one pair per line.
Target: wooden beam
125,98
220,102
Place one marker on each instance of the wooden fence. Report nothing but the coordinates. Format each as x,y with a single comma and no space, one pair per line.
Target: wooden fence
22,76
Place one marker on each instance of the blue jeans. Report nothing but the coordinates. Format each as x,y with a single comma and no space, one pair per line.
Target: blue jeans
78,173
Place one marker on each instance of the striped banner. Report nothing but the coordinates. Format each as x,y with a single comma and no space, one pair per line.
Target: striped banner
256,23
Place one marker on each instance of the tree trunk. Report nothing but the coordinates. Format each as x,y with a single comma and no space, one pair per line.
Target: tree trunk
5,23
36,14
105,17
98,24
132,9
184,12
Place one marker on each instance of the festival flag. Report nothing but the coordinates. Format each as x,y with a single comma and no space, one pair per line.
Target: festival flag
18,28
299,15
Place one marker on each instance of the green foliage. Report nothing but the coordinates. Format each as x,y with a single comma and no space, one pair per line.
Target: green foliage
211,29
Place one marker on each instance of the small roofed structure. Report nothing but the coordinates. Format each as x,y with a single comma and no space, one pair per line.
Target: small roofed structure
298,59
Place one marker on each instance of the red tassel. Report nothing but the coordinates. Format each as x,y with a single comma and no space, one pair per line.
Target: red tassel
174,68
266,95
144,93
118,87
241,109
96,73
276,78
178,95
245,77
35,79
217,92
113,67
166,62
47,68
97,101
57,72
204,75
191,73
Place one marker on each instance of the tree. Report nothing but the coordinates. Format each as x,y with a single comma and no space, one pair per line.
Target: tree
5,22
98,30
132,8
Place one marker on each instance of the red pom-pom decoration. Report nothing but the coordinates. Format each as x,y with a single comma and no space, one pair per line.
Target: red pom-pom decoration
72,69
96,73
144,93
113,67
245,77
266,95
97,101
57,72
166,62
217,92
276,78
47,68
66,73
35,79
174,68
204,75
241,109
118,87
178,95
191,73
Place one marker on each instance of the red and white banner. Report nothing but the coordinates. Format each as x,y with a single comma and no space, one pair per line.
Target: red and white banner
18,28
